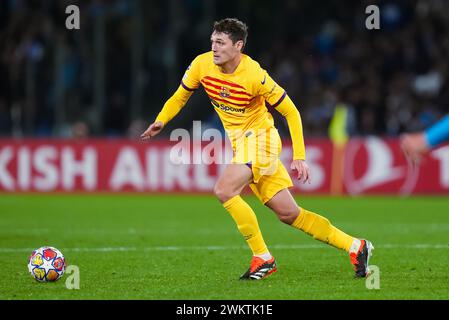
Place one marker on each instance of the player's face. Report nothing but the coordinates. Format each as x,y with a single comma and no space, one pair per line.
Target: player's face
223,48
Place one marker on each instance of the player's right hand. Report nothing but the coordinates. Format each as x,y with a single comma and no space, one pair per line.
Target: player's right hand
152,130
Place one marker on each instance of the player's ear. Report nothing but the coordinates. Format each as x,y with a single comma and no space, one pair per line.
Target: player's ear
239,45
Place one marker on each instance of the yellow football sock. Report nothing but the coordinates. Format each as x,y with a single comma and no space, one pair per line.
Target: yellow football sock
246,221
321,229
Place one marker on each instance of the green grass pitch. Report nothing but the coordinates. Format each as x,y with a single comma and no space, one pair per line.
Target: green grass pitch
187,247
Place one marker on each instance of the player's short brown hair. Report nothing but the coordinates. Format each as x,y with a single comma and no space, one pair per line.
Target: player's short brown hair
234,28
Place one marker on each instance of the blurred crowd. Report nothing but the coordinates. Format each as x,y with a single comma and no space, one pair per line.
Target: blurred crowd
79,83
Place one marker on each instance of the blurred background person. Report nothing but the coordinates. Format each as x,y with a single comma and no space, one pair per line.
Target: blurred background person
415,145
128,55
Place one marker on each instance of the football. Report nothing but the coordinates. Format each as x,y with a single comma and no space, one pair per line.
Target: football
46,264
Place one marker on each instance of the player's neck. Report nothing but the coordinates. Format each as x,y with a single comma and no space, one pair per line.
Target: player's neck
230,66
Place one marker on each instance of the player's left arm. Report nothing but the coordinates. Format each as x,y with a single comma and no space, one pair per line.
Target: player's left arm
291,114
277,97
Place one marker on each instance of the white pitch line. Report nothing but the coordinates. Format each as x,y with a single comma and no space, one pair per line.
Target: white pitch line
218,248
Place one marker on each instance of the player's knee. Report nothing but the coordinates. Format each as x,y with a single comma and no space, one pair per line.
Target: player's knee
288,215
222,193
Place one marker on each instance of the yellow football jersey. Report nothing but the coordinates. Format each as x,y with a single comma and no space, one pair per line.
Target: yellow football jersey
241,100
238,98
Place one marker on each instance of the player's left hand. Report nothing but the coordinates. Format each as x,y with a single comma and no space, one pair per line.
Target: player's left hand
301,167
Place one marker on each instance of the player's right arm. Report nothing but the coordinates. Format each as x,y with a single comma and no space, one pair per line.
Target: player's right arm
171,108
177,101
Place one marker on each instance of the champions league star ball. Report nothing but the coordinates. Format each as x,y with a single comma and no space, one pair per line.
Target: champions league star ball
46,264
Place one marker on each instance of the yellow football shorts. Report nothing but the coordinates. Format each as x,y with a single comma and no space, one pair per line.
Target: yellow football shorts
270,184
260,150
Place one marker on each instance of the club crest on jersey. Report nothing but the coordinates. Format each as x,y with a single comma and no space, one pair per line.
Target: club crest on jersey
224,92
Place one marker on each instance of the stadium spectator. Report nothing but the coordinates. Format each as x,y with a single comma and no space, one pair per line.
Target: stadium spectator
395,79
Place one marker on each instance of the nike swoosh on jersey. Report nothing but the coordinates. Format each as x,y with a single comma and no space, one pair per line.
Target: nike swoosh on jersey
264,78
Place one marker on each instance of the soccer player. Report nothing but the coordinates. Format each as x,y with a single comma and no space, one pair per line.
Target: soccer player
415,145
240,92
